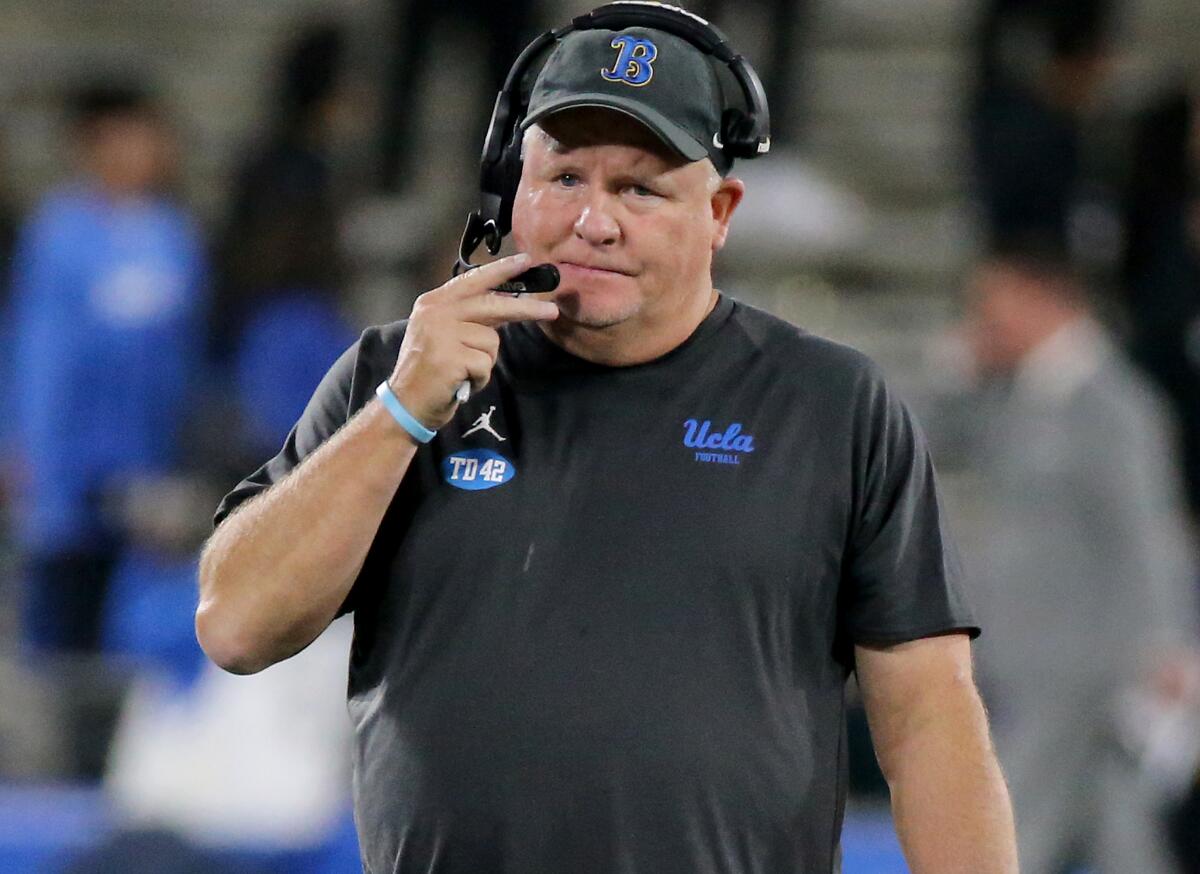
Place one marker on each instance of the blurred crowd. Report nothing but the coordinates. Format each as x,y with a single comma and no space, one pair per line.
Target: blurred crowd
153,363
152,360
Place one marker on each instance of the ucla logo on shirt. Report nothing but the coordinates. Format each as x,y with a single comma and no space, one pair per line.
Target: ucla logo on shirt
715,446
475,469
634,63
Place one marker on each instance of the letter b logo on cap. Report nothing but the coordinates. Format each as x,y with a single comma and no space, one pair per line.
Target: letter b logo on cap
634,59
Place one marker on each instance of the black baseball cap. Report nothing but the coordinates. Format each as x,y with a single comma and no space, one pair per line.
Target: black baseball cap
660,79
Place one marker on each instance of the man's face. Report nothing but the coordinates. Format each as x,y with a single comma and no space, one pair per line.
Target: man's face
1003,309
631,227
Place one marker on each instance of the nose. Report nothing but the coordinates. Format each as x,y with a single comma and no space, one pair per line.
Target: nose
596,224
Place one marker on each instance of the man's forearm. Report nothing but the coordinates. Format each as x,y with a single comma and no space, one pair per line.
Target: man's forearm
949,799
274,574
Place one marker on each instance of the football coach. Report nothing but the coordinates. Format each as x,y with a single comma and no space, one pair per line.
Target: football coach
606,602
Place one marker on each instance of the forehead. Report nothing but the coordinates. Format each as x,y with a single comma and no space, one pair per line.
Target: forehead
585,127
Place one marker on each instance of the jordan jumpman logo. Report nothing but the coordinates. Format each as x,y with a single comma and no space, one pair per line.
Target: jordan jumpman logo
484,423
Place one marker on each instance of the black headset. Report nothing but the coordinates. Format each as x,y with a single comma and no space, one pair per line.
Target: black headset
745,132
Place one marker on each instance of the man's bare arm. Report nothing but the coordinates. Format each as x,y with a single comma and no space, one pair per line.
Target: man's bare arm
949,800
275,572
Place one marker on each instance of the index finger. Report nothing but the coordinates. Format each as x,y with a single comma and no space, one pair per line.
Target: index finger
485,277
495,310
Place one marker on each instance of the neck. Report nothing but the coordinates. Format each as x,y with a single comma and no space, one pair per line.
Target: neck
1051,321
115,191
634,341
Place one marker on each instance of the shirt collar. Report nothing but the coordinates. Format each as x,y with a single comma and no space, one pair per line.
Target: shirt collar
1062,362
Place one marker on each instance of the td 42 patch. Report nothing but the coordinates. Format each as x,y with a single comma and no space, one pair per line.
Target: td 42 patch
476,469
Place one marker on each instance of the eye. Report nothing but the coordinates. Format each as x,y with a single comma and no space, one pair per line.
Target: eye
567,180
638,190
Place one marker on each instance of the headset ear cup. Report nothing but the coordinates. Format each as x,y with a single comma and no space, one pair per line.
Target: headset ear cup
492,178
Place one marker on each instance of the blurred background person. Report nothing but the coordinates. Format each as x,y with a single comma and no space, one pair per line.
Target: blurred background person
206,770
1160,283
1161,269
501,31
232,775
235,774
1039,66
1084,574
108,309
125,428
279,249
279,315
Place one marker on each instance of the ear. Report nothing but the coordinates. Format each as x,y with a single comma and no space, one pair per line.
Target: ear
724,201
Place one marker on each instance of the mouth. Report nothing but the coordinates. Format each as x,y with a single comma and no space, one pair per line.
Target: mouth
591,270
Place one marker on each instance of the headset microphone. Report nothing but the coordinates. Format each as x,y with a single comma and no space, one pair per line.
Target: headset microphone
536,280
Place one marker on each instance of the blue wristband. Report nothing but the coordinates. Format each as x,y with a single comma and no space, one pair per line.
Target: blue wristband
406,419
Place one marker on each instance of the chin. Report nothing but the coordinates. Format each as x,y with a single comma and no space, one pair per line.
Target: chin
595,311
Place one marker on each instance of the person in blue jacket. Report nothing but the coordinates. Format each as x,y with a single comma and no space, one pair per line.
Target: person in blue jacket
107,319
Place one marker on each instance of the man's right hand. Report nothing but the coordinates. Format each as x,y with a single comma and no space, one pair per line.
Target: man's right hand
452,337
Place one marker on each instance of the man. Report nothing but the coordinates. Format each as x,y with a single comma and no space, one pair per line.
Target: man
107,280
618,640
1040,68
107,310
1085,578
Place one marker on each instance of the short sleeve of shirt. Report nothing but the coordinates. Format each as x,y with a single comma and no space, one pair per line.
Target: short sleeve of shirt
328,409
903,576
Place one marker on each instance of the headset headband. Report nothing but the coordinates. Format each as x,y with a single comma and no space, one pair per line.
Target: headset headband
745,132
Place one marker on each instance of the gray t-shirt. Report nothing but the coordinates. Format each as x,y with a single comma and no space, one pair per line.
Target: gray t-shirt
607,622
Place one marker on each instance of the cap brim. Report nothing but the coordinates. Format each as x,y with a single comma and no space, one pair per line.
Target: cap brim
665,129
